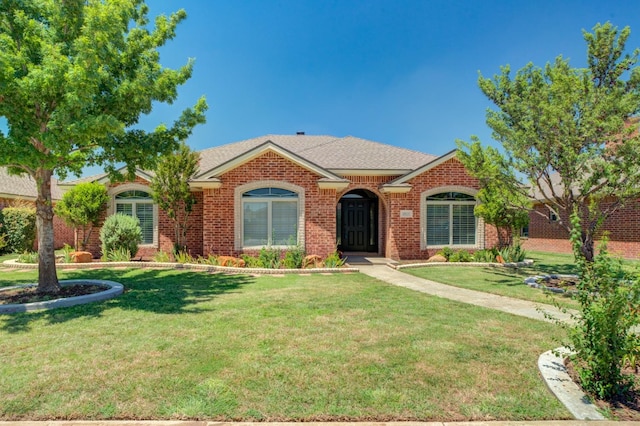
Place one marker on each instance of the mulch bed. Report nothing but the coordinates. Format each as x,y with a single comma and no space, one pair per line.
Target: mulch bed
31,294
566,284
625,408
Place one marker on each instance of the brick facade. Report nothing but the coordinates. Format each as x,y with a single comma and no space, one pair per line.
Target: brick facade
623,230
215,224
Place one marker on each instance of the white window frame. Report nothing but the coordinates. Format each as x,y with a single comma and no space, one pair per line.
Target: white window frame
239,210
135,187
480,237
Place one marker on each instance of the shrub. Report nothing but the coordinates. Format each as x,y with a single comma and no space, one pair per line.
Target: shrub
602,334
334,260
19,228
120,232
3,242
183,257
485,256
293,257
28,257
66,253
461,256
251,261
269,258
512,253
121,254
161,256
446,252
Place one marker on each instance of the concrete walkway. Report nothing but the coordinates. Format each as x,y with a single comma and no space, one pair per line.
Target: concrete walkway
519,307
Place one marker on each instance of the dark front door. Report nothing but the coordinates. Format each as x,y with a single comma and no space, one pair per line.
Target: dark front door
359,224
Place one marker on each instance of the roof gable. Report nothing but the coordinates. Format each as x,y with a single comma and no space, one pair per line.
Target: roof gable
403,180
259,150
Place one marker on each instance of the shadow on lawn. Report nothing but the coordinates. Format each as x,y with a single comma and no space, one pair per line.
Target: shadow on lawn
157,291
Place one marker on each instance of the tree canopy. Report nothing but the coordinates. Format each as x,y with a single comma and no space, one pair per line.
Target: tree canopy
502,202
75,76
573,132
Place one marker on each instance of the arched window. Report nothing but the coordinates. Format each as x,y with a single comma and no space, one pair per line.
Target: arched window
450,220
269,217
138,204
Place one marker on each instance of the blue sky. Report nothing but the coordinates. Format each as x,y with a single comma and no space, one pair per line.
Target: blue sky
402,72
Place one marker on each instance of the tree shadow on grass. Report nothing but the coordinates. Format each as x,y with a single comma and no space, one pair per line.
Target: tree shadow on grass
156,291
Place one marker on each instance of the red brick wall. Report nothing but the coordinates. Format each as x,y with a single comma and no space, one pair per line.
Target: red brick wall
219,204
623,228
404,233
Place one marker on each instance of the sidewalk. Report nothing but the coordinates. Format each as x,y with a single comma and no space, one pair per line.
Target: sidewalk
519,307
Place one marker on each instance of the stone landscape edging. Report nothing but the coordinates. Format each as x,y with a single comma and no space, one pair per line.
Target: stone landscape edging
115,289
556,376
533,281
526,262
186,266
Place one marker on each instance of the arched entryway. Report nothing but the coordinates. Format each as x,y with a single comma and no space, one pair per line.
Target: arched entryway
357,222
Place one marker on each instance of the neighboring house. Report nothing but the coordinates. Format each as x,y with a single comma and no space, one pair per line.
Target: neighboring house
15,190
622,227
321,192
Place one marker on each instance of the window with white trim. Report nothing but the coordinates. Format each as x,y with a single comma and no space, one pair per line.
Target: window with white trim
269,217
450,219
138,204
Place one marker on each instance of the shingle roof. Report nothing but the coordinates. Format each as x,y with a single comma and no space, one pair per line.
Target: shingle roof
23,186
328,152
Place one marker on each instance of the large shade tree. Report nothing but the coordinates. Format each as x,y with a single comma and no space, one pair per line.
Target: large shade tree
75,76
572,131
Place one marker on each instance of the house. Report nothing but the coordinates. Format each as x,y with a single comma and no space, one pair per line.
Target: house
16,190
321,192
544,232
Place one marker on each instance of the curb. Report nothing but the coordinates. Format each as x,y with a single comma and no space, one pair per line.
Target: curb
526,262
115,289
555,375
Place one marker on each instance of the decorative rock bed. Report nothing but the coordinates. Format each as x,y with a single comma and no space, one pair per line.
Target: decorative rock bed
114,289
538,281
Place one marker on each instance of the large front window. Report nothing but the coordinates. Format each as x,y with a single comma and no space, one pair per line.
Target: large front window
450,219
140,205
269,217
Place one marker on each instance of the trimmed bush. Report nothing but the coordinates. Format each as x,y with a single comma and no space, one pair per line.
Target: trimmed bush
19,228
293,257
120,232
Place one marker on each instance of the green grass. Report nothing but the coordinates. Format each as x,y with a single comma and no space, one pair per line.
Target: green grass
509,281
180,345
504,281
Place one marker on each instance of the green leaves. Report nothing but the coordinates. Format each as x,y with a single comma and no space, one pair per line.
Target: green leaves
171,191
572,131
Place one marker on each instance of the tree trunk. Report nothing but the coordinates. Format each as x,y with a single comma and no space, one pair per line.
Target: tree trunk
587,246
47,277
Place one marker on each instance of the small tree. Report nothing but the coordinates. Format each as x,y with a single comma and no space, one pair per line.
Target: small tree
502,203
572,131
171,191
81,208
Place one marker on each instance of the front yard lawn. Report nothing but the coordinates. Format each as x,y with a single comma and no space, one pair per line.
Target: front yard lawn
181,345
505,281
